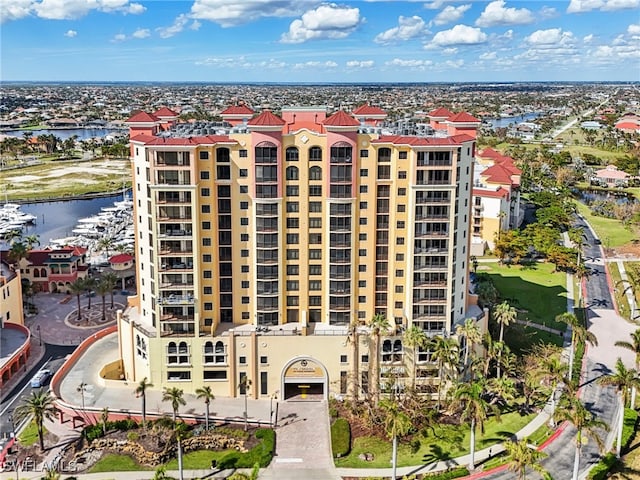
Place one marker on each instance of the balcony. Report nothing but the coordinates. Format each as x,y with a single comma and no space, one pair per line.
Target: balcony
176,266
175,233
177,300
429,301
421,267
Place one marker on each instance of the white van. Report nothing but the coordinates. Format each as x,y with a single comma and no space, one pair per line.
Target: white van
40,378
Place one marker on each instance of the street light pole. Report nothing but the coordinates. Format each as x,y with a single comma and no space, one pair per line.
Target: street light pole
39,336
273,421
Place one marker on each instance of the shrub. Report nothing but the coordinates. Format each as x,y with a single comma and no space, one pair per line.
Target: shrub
132,436
457,472
601,470
340,437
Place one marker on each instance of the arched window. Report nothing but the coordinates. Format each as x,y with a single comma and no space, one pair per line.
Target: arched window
397,346
315,154
292,173
208,347
172,348
292,154
266,152
219,347
386,346
341,152
183,348
315,173
222,155
43,272
36,273
384,155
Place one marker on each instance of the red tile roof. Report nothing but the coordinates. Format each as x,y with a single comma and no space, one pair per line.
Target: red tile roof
463,117
237,110
422,141
143,117
121,258
499,193
165,112
628,126
202,140
489,153
265,119
440,113
341,119
507,162
497,173
366,109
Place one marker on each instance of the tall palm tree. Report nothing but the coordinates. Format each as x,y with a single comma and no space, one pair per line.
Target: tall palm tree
244,386
415,338
174,395
18,251
472,334
396,424
572,410
105,243
110,279
103,288
353,339
181,432
622,379
207,395
77,288
633,346
104,418
504,314
470,397
378,326
90,284
32,240
521,456
446,353
579,333
40,406
141,391
552,370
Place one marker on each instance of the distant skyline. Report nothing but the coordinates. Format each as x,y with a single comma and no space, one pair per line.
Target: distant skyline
312,41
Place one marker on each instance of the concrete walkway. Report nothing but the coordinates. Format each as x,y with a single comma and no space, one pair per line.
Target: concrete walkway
628,290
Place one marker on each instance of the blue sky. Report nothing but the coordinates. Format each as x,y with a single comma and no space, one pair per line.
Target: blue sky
311,41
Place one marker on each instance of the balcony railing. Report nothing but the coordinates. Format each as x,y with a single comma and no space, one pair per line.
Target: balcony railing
177,300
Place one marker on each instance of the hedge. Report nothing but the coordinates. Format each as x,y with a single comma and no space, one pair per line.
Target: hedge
340,437
602,468
629,427
457,472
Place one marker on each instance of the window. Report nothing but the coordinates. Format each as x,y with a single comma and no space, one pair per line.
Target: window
364,172
205,208
315,207
364,188
178,376
315,154
264,386
315,270
244,189
292,190
244,172
243,153
205,192
204,155
222,155
401,208
207,290
343,359
293,222
402,192
293,301
402,174
242,360
178,353
293,285
293,270
315,284
384,172
245,300
315,300
399,273
223,172
315,222
244,205
264,360
244,284
206,242
214,375
400,224
204,175
364,153
315,173
315,238
315,254
206,258
402,155
363,205
291,154
315,190
362,252
293,238
362,284
244,253
292,173
363,220
244,269
244,221
244,237
293,254
293,207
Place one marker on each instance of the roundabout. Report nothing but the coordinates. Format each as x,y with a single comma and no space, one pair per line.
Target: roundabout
93,317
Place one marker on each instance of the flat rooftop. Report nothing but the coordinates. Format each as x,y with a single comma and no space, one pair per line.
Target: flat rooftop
10,341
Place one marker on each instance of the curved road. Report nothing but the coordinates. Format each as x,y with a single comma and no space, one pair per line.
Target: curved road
608,327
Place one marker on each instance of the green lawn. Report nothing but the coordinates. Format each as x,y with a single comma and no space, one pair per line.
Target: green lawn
116,463
29,435
449,441
611,231
197,460
536,291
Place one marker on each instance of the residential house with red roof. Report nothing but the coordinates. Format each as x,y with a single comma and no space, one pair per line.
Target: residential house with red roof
54,269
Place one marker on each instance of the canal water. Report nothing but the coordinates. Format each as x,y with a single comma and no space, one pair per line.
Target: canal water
506,121
590,196
57,219
63,134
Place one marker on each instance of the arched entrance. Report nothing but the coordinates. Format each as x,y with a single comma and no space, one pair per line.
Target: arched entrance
305,379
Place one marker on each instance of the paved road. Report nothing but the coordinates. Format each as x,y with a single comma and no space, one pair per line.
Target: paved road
608,327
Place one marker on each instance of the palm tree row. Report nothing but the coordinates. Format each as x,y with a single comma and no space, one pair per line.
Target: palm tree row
103,286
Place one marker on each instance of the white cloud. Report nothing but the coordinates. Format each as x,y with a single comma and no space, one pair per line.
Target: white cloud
450,51
497,14
581,6
120,37
230,13
488,56
315,65
141,33
459,35
408,27
413,64
360,64
450,14
508,34
548,12
179,24
72,9
14,10
588,38
634,29
454,63
326,21
436,4
70,33
552,36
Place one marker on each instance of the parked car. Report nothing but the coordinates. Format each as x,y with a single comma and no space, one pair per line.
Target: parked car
41,378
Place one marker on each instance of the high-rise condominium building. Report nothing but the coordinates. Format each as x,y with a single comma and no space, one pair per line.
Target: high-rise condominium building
261,239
